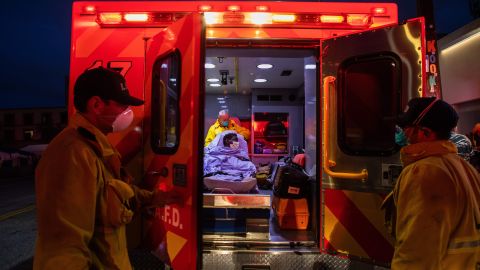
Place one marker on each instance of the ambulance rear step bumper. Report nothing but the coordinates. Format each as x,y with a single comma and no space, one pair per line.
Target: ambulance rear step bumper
279,259
274,259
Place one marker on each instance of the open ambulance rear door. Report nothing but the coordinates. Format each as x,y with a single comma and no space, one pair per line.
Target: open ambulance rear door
367,79
173,122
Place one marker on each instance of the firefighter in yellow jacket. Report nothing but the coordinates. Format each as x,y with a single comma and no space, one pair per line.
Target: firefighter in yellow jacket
84,197
436,196
223,123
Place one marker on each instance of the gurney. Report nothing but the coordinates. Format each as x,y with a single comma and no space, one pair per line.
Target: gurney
227,168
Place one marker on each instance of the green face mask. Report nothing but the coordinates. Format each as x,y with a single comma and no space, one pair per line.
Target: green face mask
225,123
400,137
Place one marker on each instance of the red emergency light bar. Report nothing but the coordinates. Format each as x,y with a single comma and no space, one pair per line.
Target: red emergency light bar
224,19
137,19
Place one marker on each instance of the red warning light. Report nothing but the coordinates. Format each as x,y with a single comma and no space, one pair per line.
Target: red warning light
379,11
205,8
89,10
110,17
261,8
233,8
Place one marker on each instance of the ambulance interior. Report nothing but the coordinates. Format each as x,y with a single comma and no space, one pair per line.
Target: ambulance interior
273,93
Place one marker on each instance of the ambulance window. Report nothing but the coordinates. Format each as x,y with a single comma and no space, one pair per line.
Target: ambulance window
369,100
165,99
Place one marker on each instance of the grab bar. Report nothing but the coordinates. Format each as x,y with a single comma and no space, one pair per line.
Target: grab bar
326,162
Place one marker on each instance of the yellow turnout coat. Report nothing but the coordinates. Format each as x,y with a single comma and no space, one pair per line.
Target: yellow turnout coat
438,218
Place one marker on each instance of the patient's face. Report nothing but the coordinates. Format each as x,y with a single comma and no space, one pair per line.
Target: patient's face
235,145
231,140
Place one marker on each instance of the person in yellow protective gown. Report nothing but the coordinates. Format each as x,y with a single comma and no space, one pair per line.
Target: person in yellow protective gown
224,122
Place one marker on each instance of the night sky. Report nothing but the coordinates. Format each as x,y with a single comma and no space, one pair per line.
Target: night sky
36,40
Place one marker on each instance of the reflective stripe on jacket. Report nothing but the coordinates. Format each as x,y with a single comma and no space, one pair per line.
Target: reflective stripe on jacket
436,197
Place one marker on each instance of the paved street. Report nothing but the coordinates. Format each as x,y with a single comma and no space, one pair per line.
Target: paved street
18,227
17,223
18,240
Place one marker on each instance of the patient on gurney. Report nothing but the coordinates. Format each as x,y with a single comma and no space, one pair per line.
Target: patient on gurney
226,166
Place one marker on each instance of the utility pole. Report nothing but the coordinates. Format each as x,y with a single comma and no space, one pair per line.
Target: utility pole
433,86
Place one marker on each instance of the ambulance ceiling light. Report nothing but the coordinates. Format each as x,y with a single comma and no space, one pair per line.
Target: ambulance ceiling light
215,85
220,98
110,17
213,80
209,65
136,17
260,80
265,66
221,101
310,66
224,106
164,65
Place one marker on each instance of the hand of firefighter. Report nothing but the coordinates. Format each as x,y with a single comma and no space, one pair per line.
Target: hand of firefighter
161,198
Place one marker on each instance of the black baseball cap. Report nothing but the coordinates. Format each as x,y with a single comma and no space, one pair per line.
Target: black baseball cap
430,112
105,83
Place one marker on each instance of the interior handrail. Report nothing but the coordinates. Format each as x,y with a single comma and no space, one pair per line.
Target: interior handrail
327,162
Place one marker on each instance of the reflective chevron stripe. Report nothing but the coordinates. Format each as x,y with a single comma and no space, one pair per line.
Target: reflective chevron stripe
353,224
461,245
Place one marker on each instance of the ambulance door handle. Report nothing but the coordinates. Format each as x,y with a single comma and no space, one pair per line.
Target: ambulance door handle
162,173
327,162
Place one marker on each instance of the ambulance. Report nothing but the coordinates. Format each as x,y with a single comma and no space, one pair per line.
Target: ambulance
333,75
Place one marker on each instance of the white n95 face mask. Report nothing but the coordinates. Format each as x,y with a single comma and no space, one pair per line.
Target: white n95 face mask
123,120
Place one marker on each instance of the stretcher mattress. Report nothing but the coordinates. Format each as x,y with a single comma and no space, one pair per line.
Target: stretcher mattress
216,183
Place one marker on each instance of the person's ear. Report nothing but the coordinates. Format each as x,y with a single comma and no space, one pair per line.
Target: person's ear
427,132
95,105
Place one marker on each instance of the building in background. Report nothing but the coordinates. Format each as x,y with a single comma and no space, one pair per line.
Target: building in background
459,73
23,127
